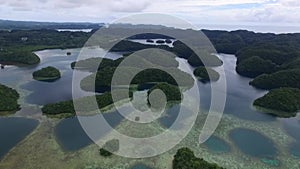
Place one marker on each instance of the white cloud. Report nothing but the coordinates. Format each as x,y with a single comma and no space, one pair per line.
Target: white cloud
197,11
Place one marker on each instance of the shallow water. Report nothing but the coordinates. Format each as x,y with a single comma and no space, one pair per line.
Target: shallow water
253,143
217,145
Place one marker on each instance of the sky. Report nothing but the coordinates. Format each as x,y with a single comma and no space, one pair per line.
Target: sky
230,13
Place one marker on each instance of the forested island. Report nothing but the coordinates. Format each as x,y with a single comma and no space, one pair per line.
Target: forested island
66,109
8,99
284,78
171,93
282,102
47,74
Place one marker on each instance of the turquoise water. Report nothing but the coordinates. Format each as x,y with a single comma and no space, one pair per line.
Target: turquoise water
217,145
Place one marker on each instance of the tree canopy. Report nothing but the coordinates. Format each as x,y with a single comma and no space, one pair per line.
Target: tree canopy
284,101
47,74
185,159
8,99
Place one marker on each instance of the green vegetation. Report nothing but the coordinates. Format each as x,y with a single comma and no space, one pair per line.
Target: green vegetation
8,99
109,147
19,56
104,152
205,59
284,101
293,64
161,71
284,78
140,59
17,46
66,108
171,92
255,66
103,78
185,159
46,74
94,64
206,74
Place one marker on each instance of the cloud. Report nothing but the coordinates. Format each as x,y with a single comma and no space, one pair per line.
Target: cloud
197,11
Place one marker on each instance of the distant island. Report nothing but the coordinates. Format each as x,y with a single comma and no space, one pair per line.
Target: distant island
8,99
47,74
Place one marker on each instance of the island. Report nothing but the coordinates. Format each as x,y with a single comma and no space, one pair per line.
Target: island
160,41
282,102
171,93
168,41
47,74
185,159
149,41
206,74
103,78
66,109
8,100
161,72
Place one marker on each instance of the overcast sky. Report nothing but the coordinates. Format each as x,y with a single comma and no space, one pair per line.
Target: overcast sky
220,12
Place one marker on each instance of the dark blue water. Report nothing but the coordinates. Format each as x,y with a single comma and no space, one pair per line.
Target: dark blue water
13,130
253,143
238,91
61,89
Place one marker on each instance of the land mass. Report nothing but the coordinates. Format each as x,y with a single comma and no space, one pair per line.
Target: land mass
185,159
282,102
47,74
8,99
66,109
